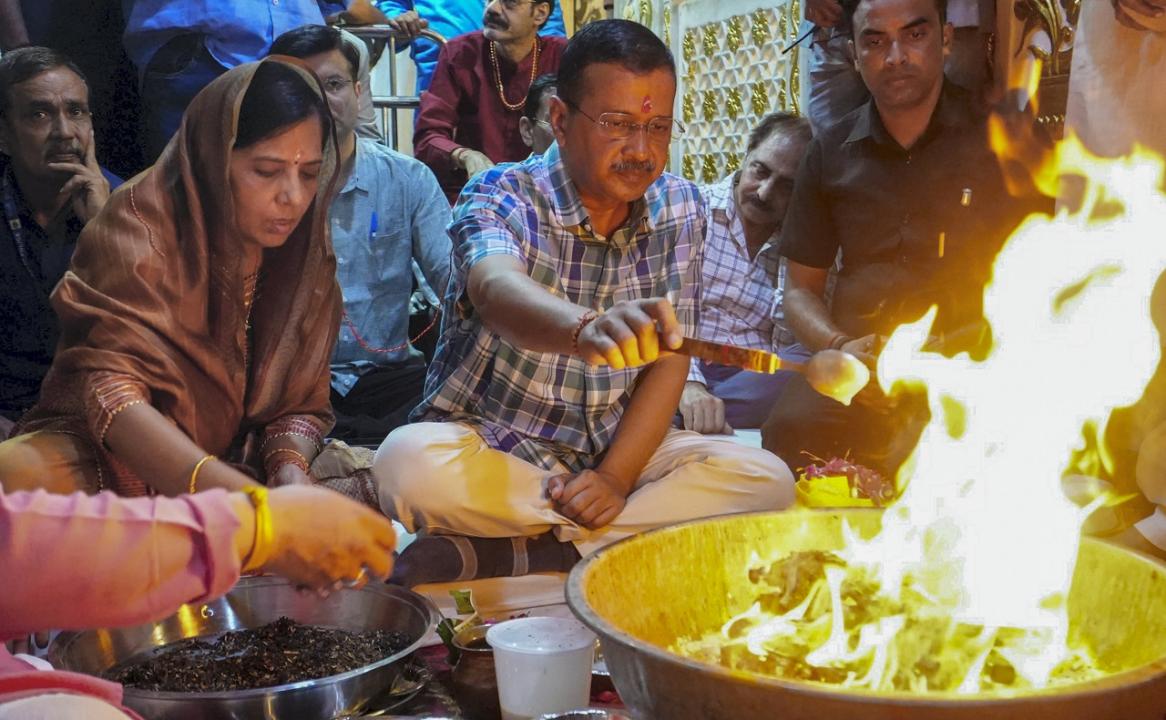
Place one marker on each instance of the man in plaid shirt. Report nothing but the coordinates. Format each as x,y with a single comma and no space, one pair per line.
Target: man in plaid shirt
549,402
742,280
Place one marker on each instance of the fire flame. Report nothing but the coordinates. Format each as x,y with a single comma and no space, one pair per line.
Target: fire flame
983,537
984,513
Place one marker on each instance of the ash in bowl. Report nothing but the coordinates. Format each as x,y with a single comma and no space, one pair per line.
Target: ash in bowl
278,653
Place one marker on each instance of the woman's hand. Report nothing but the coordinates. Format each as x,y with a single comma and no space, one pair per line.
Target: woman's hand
290,474
323,539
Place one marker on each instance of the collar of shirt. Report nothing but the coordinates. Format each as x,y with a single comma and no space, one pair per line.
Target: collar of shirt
721,201
63,228
869,123
361,172
571,212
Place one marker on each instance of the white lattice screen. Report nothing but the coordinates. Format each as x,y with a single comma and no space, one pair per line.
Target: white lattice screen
732,72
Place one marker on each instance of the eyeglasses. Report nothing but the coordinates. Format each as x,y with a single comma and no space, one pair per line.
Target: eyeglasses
509,4
621,126
335,84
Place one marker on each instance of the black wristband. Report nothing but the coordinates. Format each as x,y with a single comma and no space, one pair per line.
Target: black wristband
838,341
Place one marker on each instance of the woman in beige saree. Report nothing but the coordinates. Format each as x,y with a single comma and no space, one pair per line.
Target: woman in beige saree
199,313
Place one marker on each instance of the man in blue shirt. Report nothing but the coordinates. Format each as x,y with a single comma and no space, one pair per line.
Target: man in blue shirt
50,186
179,47
448,18
389,216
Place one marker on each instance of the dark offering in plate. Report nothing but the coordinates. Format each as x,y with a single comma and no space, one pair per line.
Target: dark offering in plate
278,653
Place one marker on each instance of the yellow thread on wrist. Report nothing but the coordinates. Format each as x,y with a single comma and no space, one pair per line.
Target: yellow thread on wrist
262,543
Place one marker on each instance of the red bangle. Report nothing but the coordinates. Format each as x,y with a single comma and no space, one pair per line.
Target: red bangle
584,320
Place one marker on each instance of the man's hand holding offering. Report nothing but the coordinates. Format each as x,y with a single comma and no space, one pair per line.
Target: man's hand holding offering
629,334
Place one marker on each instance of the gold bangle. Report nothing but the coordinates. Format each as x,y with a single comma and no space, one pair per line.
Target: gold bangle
264,533
301,460
194,474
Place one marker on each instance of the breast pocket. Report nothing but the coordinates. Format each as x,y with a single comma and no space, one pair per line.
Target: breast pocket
390,267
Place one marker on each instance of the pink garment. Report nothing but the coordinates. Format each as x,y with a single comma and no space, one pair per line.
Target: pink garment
84,561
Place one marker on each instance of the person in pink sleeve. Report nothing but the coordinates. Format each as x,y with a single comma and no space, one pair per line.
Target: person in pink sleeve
86,561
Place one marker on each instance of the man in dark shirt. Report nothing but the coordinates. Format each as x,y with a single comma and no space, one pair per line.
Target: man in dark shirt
50,186
906,189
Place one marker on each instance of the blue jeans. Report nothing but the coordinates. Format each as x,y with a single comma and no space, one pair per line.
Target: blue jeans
178,71
748,396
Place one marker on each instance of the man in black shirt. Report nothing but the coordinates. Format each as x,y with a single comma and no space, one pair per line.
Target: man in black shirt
50,186
906,191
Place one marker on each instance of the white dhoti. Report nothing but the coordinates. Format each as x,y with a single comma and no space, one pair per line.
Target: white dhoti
60,706
1116,96
443,478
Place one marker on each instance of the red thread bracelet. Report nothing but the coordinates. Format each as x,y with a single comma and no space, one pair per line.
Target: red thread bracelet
584,320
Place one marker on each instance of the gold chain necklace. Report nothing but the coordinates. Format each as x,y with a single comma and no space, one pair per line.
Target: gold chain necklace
498,76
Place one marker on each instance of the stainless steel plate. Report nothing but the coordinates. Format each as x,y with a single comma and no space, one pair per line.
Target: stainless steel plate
252,603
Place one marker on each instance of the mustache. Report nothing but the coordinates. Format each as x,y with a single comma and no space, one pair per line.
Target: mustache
645,166
64,150
495,21
752,199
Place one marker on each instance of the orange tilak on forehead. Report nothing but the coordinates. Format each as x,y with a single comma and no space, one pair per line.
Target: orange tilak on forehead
646,106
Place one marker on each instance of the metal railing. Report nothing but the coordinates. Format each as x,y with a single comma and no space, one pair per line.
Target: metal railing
389,105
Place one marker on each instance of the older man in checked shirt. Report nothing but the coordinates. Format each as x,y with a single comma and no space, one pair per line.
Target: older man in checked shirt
548,405
742,280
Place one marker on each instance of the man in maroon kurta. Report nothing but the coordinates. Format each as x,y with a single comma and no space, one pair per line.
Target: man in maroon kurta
468,120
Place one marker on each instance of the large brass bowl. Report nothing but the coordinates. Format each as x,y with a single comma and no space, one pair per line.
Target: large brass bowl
640,594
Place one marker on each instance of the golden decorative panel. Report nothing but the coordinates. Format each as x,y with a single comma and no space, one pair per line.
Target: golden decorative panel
709,171
759,28
737,75
646,12
709,105
667,21
759,98
733,103
1057,19
733,34
709,38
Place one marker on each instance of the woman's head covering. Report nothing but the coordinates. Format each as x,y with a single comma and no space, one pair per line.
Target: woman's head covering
156,291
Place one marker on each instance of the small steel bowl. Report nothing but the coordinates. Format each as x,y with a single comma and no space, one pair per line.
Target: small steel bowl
252,603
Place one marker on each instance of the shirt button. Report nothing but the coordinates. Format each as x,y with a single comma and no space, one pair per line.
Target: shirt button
275,2
903,258
906,218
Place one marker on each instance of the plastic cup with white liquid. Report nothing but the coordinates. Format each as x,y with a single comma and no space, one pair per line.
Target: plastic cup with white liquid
543,665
